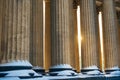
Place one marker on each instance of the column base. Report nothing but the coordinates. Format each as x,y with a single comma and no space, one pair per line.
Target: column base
62,70
113,71
39,70
92,70
21,69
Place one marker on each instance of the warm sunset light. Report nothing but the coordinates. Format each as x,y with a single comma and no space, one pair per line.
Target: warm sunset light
79,33
80,37
101,37
44,31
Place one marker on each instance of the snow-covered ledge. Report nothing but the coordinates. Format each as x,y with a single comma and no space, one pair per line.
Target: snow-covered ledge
91,70
15,65
19,68
113,71
62,70
39,70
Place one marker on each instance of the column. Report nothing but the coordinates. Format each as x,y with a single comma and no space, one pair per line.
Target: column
16,32
99,39
118,21
9,28
1,15
36,52
47,35
72,35
110,34
60,32
88,27
76,51
4,32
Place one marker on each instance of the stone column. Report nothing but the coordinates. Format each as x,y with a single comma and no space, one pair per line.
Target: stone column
16,32
110,36
89,42
98,39
76,43
72,34
1,16
4,32
118,18
60,31
9,28
36,54
47,35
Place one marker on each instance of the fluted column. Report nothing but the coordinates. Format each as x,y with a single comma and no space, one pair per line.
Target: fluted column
89,42
16,30
47,35
118,21
36,52
10,28
7,21
76,42
72,34
60,28
110,37
1,15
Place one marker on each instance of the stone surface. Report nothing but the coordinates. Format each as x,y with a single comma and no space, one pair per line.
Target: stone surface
110,34
60,31
89,42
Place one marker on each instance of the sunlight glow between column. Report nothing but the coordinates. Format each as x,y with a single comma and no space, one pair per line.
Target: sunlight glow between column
79,33
44,33
101,38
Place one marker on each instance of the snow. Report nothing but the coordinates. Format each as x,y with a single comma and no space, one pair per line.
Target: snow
36,79
61,66
94,72
17,63
20,73
10,78
37,67
60,77
66,73
91,67
115,73
17,78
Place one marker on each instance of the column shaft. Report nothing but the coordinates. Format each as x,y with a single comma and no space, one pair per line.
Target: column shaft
88,24
37,33
47,35
16,30
77,63
118,18
71,34
60,28
110,34
5,31
9,26
1,16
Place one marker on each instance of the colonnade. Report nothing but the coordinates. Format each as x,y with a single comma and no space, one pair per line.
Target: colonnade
45,32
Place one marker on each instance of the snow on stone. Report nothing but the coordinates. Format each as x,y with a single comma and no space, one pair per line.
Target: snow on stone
20,73
17,63
67,73
10,78
94,72
17,78
115,73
